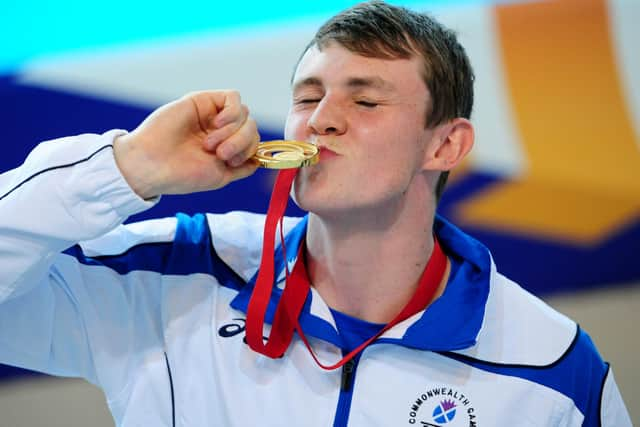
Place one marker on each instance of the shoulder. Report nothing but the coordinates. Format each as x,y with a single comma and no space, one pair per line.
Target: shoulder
520,329
523,337
515,327
237,239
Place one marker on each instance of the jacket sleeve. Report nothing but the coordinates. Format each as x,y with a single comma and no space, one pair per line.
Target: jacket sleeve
612,409
54,317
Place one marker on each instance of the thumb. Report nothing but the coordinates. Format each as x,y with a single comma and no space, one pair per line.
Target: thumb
245,170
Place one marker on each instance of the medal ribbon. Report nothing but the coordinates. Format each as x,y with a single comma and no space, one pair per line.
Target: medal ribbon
288,310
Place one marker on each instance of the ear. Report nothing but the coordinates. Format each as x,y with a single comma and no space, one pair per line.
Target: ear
450,143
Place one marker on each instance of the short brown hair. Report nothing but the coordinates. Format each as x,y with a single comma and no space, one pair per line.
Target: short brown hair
376,29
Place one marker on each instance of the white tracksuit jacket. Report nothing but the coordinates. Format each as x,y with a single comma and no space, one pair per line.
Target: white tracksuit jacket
153,313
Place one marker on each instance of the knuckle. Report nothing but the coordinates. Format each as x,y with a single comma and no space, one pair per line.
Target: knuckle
233,95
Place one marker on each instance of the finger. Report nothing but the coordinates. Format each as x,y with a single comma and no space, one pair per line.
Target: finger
232,110
206,108
244,140
210,104
246,154
217,136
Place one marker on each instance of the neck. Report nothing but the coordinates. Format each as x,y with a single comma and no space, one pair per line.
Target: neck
369,267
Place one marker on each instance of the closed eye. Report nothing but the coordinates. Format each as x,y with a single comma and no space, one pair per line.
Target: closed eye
367,104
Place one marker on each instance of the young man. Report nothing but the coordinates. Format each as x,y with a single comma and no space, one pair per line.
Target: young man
154,313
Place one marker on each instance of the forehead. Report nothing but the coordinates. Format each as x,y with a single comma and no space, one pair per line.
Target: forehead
334,64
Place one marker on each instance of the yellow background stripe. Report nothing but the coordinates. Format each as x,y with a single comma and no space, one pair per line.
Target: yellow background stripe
583,176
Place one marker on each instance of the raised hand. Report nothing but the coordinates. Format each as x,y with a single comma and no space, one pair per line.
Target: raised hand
200,142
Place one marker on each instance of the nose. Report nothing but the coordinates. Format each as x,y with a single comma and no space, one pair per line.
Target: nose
328,118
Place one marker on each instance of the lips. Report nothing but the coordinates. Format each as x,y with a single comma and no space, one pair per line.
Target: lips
327,154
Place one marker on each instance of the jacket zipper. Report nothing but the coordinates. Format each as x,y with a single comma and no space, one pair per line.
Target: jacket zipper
341,418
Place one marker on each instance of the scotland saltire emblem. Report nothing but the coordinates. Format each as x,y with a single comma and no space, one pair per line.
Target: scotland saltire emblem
442,406
444,412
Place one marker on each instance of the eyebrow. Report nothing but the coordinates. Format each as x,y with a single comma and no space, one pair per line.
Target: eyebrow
370,82
308,82
352,83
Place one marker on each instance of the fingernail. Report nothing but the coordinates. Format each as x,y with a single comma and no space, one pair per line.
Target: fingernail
211,141
237,160
223,152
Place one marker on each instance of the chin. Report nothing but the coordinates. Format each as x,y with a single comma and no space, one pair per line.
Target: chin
326,205
309,202
314,202
314,192
306,189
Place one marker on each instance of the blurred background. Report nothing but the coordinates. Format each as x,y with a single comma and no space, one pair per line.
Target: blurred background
552,187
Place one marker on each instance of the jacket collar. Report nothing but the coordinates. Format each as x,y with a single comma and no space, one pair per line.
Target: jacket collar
452,322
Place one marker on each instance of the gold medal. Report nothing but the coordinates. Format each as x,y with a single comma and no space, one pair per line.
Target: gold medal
282,154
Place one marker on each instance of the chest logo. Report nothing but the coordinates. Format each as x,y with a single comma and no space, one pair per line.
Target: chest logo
237,326
442,407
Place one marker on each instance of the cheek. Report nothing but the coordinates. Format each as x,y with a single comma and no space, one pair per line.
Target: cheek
393,165
295,126
287,127
384,171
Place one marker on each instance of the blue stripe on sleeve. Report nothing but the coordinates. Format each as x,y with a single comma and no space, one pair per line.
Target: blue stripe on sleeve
190,252
579,374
